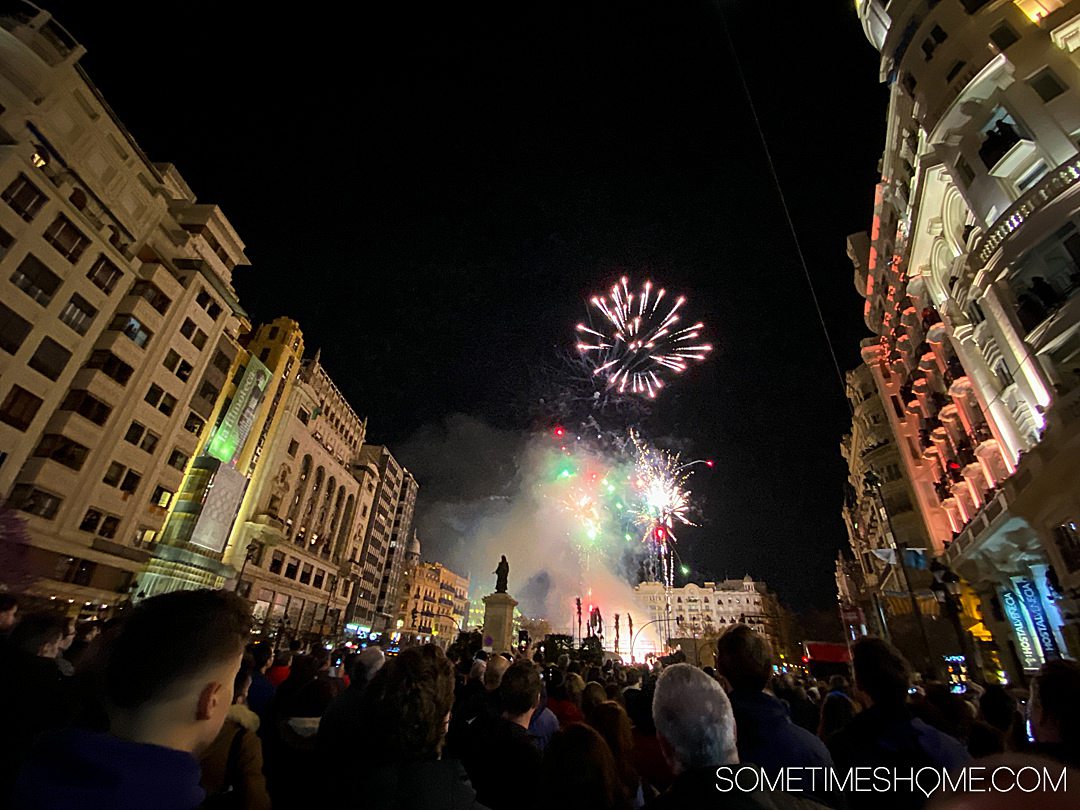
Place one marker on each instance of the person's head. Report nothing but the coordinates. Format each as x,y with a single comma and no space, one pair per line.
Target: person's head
493,673
1054,708
613,723
89,631
68,638
744,658
261,656
476,671
693,720
39,634
519,691
593,696
9,611
881,672
242,681
838,683
563,661
997,707
283,659
633,676
573,685
408,703
836,712
579,761
368,662
170,671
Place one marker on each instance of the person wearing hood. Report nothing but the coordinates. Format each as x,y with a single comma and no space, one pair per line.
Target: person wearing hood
232,767
168,686
766,735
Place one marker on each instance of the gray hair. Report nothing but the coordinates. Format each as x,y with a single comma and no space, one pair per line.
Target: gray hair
693,715
368,662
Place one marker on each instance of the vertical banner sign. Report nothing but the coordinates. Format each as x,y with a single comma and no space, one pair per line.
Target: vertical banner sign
1014,614
1040,622
235,426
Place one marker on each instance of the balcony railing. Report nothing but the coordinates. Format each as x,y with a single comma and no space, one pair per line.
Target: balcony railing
1048,189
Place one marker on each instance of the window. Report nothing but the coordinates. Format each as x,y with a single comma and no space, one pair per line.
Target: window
87,406
132,328
194,424
317,580
154,395
200,339
161,496
63,450
160,400
104,274
203,298
291,567
78,314
6,241
1003,374
209,392
144,537
130,482
109,527
293,447
24,197
1031,177
954,71
178,459
187,328
134,433
36,280
930,44
1047,85
1004,36
277,560
149,441
13,330
115,474
68,240
19,408
27,498
155,297
303,416
222,362
264,355
177,365
50,358
305,574
964,171
213,310
90,520
971,6
112,365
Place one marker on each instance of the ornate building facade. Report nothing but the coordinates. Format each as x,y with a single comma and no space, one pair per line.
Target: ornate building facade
970,279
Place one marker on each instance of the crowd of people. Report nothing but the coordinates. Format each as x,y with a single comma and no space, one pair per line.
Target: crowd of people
173,708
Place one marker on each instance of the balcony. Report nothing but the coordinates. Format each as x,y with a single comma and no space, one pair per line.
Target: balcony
1048,189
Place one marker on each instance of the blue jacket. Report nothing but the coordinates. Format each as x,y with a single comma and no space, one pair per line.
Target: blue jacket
766,737
74,769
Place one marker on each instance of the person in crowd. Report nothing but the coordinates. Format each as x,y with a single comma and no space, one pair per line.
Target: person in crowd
593,695
407,710
613,724
998,717
279,670
633,680
343,720
500,757
261,689
168,684
580,769
837,709
9,613
468,702
232,766
67,669
1054,711
482,705
34,695
560,697
696,730
84,637
886,733
647,757
563,662
544,723
767,737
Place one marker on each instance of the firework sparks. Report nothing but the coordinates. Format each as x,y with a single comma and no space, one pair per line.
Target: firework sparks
663,501
643,342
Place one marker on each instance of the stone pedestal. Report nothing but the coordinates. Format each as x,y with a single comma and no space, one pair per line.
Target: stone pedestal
499,622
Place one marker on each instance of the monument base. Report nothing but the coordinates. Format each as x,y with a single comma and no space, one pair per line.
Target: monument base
499,622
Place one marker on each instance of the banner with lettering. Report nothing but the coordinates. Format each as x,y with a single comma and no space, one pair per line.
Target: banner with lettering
1040,622
1016,616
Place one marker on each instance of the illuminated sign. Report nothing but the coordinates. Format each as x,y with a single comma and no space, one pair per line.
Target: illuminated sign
233,430
1039,621
1025,644
218,512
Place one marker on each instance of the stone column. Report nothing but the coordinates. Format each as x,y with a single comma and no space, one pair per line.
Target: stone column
499,622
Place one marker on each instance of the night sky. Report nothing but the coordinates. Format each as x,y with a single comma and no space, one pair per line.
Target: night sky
432,190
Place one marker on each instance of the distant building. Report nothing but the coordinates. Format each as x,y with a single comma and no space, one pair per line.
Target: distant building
436,605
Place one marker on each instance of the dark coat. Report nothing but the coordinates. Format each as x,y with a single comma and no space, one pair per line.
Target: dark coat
501,759
74,770
435,785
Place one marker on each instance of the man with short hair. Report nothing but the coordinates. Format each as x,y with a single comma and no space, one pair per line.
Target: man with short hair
766,736
696,731
887,734
500,756
168,684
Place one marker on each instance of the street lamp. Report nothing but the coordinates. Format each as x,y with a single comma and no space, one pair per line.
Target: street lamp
633,640
251,550
946,588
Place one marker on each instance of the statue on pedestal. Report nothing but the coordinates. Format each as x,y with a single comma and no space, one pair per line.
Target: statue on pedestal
501,573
